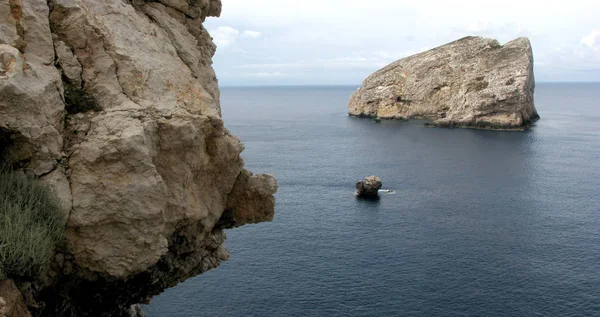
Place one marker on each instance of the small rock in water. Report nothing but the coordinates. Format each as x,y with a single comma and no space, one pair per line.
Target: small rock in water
369,187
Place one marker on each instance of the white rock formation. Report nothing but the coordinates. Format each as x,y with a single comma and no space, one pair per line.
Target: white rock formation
472,83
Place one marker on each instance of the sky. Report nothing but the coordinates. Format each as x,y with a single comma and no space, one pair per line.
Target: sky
341,42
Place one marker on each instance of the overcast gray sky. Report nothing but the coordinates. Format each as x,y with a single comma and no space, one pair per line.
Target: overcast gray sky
337,42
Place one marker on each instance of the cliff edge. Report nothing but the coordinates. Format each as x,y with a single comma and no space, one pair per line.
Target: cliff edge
473,82
115,105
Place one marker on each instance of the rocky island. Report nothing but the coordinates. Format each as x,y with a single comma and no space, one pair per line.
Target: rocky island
369,187
473,82
114,105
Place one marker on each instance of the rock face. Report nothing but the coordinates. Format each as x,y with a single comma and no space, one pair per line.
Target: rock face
11,301
472,83
369,187
115,105
251,201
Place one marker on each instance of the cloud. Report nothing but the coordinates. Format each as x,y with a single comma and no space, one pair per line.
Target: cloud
371,62
319,41
251,34
501,31
588,52
320,64
224,36
592,40
227,37
577,61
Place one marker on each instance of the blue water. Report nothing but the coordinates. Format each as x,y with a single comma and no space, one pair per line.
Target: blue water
482,223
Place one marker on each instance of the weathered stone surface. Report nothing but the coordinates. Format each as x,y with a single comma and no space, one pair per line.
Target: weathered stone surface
158,157
369,187
59,184
115,105
70,66
31,106
251,200
11,301
473,82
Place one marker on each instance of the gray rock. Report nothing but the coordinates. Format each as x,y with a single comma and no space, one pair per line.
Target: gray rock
369,187
251,201
472,83
146,174
157,158
31,106
69,64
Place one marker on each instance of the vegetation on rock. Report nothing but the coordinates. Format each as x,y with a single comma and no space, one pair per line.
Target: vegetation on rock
31,225
77,100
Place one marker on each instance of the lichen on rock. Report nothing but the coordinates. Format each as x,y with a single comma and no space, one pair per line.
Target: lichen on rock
472,83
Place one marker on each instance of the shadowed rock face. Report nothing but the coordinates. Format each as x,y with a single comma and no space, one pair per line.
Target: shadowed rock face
115,105
473,83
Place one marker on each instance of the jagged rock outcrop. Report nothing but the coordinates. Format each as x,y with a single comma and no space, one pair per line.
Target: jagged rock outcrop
250,201
115,105
369,187
472,83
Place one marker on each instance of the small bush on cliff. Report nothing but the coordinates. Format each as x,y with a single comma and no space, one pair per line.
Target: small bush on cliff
31,225
77,100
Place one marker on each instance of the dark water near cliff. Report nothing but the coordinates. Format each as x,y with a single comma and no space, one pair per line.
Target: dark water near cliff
482,224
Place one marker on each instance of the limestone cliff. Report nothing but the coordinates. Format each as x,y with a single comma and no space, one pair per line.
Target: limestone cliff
115,105
473,82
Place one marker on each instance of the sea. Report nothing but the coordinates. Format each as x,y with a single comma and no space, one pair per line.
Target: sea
478,223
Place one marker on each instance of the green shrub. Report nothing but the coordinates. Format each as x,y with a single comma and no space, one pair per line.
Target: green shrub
77,100
31,225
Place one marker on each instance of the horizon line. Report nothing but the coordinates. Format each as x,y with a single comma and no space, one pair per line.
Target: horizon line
359,85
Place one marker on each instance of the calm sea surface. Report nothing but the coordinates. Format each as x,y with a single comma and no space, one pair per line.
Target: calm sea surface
482,223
